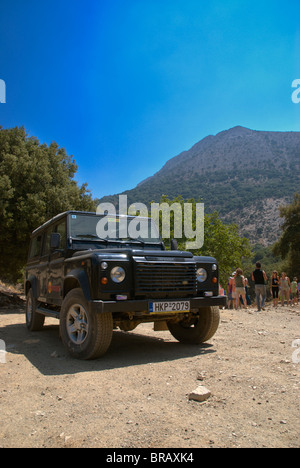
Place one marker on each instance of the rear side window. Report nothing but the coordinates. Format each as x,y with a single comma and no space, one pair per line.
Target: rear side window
60,229
35,247
46,248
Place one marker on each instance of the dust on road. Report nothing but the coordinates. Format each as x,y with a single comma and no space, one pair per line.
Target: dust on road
137,394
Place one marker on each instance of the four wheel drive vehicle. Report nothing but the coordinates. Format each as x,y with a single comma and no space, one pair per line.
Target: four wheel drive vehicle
95,284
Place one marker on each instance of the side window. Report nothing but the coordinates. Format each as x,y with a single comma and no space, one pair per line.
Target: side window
35,247
61,229
46,247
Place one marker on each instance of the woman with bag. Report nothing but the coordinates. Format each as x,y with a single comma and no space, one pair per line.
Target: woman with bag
285,288
240,287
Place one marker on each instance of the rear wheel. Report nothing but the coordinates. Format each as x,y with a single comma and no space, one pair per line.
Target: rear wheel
196,329
86,334
34,320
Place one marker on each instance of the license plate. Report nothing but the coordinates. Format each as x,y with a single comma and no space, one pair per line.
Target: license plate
171,306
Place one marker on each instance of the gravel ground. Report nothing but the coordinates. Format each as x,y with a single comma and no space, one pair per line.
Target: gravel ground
137,395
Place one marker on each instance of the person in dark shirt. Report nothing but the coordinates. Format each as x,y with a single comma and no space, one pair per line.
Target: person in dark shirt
275,288
260,279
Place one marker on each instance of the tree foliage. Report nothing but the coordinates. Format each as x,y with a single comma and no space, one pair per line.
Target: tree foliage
288,245
36,183
224,242
221,241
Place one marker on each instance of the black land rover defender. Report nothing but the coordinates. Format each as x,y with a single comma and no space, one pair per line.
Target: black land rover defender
95,284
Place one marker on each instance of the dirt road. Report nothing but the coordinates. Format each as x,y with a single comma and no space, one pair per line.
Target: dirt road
137,395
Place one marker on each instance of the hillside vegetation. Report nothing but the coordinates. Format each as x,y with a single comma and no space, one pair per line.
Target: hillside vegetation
243,174
36,183
243,177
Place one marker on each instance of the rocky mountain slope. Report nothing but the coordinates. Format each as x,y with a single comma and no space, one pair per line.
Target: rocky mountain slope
243,174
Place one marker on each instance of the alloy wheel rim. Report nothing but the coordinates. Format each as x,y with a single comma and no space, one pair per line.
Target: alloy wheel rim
77,324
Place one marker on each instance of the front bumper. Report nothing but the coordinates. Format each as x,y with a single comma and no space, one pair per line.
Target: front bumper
142,306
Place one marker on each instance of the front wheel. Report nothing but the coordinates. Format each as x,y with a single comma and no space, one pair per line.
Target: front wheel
198,328
86,334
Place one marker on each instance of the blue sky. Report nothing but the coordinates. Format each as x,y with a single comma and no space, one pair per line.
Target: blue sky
124,85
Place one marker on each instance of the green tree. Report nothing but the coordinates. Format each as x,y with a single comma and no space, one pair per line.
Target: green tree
288,245
36,183
221,241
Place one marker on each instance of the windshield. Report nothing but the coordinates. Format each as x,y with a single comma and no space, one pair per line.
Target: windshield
113,228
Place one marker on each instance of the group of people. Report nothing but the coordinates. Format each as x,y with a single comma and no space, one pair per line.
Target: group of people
238,290
285,289
281,288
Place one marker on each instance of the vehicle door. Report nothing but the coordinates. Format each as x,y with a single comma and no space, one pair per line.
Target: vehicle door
44,265
56,266
34,267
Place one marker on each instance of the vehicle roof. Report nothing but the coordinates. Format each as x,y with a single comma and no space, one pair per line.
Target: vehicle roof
65,213
47,223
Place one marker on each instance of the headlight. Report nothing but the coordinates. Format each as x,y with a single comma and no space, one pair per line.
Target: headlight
117,274
201,275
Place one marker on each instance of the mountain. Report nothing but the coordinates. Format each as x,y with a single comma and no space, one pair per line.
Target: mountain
243,174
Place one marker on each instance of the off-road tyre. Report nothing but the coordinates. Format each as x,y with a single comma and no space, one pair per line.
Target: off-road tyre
198,329
34,320
97,329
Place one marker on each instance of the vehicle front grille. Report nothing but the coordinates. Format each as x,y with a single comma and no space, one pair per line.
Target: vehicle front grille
165,279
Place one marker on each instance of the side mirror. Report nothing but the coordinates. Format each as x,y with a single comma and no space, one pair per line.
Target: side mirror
174,244
54,241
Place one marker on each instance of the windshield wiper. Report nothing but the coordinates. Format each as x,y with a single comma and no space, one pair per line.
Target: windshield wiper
97,238
122,241
90,236
133,239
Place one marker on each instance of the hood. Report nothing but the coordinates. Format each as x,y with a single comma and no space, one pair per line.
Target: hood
151,255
